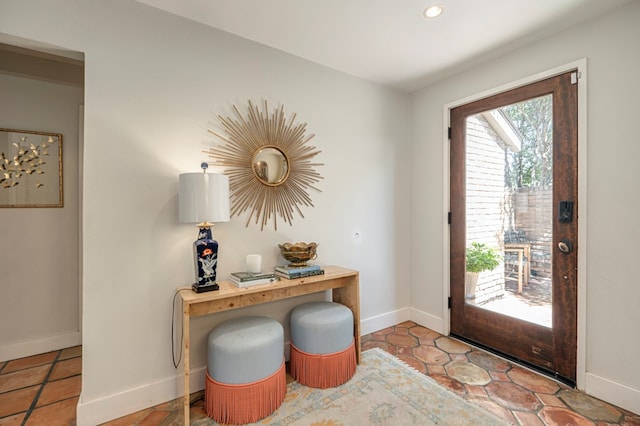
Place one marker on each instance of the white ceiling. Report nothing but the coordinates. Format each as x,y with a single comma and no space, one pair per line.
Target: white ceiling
388,41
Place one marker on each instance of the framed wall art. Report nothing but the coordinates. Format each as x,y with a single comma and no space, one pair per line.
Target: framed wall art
30,169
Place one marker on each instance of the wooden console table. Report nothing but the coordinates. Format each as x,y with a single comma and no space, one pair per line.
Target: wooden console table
343,282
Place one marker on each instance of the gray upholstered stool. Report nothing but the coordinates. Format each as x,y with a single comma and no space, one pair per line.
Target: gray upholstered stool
323,352
246,378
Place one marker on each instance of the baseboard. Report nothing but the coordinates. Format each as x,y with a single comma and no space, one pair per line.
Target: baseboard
40,346
612,392
389,319
113,406
98,411
426,320
385,320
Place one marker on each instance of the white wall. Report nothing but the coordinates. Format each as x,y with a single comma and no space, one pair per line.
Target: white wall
153,85
39,283
612,370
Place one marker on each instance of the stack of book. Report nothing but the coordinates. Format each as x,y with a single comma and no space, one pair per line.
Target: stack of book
247,279
293,272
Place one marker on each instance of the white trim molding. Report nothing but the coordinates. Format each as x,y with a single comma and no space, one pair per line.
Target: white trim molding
612,392
129,401
40,346
429,321
385,320
101,410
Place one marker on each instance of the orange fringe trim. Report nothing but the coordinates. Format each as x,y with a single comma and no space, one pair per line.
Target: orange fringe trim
323,370
245,402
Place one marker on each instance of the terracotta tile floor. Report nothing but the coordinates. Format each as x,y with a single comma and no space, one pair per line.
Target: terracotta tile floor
41,389
511,392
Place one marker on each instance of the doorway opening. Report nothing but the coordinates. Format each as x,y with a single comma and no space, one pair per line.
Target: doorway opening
42,293
513,233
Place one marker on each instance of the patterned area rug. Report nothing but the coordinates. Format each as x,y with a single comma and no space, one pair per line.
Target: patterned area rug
384,391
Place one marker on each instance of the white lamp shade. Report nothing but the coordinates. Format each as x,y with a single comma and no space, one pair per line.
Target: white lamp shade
203,197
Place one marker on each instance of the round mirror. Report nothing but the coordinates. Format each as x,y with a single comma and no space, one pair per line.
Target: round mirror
270,165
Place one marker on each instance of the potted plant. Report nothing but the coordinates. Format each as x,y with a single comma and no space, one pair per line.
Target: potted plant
479,258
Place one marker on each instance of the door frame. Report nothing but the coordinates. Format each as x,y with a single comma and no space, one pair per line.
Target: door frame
581,66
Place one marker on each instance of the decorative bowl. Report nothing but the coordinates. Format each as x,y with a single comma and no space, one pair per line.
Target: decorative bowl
298,254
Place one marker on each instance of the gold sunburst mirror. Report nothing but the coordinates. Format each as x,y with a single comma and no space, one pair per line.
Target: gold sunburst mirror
269,164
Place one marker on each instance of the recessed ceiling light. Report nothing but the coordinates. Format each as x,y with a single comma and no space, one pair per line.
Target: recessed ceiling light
433,11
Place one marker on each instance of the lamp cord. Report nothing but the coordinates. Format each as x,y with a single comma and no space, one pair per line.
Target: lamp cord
173,326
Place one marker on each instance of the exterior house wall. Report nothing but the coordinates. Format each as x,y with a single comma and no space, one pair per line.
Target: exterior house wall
534,215
485,189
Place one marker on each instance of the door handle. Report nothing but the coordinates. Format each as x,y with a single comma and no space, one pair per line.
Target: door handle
565,246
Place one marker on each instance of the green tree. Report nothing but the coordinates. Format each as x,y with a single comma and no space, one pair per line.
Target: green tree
532,166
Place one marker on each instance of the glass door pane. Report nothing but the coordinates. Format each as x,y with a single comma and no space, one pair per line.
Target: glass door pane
509,210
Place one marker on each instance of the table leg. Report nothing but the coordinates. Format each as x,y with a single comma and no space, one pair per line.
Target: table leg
186,363
520,271
527,265
349,296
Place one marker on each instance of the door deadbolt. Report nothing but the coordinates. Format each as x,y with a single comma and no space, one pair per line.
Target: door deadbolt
565,246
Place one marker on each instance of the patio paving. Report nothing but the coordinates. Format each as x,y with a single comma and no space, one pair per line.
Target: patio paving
533,305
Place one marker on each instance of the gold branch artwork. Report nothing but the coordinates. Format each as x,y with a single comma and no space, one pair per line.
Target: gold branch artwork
26,161
269,164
